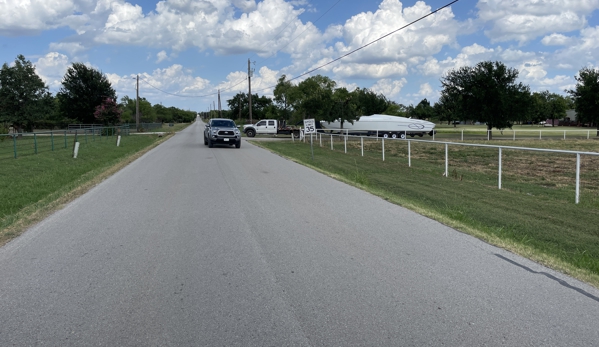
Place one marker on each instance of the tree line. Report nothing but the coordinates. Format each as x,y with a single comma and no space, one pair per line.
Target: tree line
85,97
487,93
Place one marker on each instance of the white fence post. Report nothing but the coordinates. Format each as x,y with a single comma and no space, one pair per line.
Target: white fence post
409,154
462,134
446,161
588,134
331,141
540,132
362,144
564,134
345,143
514,135
488,135
383,141
577,177
499,167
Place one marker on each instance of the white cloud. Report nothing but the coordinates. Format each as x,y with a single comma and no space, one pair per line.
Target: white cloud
524,21
161,56
426,91
51,68
377,71
555,40
414,43
388,87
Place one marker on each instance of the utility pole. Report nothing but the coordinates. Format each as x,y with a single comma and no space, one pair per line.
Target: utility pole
250,89
239,105
137,105
220,113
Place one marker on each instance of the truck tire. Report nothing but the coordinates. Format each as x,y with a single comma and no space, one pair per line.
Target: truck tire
250,132
205,141
238,144
210,144
402,135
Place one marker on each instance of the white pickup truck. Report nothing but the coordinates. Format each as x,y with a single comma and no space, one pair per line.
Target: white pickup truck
270,127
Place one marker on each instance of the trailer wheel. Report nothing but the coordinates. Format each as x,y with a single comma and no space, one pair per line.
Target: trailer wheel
250,132
385,135
394,136
421,134
403,135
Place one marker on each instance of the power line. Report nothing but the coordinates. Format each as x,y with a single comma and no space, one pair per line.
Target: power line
368,44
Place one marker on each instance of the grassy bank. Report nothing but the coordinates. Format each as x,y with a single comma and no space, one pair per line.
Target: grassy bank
533,215
34,186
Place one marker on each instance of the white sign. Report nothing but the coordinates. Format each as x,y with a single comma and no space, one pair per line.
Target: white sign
309,126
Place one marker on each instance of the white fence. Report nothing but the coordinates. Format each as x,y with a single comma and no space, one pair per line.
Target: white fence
320,136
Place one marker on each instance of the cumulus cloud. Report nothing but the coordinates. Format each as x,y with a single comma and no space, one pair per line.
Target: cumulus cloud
555,40
415,42
161,56
388,87
524,21
51,68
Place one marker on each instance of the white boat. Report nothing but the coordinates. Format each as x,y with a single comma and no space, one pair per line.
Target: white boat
383,125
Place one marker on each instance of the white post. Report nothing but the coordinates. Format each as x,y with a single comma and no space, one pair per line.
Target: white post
446,161
292,137
462,134
488,135
118,141
345,143
499,167
377,135
577,178
540,132
76,150
331,141
410,154
320,140
514,135
362,144
433,134
564,134
588,134
383,140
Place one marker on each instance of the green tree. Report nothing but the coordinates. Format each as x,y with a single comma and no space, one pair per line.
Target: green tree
345,106
147,114
487,90
370,102
24,98
395,109
239,106
448,108
423,110
83,89
313,98
282,93
108,113
586,96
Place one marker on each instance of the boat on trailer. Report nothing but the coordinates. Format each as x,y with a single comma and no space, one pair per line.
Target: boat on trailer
383,126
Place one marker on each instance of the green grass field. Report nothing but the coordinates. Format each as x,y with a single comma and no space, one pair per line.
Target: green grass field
34,185
533,215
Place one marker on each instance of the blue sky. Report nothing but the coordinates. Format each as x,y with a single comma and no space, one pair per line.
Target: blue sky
192,48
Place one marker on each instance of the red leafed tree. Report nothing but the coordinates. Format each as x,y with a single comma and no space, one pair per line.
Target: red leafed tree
108,112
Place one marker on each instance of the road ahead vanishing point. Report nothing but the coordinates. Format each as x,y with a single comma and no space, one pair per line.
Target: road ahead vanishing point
198,246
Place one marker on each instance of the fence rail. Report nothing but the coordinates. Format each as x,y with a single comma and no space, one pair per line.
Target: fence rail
330,137
21,144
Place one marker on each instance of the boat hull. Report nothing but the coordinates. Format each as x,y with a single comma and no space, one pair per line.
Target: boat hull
383,125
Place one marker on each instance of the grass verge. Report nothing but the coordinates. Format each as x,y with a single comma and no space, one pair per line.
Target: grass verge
534,215
35,186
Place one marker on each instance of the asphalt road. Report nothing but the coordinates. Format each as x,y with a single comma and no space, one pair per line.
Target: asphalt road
191,246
